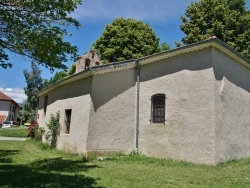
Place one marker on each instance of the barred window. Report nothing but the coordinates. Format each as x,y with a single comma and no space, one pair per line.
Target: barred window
67,121
158,108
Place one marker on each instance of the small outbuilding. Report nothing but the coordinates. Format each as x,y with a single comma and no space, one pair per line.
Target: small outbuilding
191,103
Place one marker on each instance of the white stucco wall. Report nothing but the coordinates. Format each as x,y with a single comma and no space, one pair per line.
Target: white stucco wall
75,96
188,132
207,109
112,115
232,104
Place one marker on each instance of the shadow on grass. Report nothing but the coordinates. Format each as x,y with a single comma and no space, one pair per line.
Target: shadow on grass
55,172
5,155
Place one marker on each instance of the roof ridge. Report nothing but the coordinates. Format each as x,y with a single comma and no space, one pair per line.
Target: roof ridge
3,96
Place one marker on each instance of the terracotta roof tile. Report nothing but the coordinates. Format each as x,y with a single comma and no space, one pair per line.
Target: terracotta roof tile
4,97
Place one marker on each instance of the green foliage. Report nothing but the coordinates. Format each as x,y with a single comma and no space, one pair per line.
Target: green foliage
53,126
14,132
34,83
164,47
72,69
39,132
46,167
126,39
35,132
58,76
35,29
228,20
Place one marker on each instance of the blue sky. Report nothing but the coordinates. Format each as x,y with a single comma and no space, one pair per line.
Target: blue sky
162,15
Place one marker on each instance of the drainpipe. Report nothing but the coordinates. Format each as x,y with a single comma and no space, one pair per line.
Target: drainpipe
137,106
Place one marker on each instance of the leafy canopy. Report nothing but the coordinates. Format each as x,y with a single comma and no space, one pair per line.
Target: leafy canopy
35,29
228,20
125,39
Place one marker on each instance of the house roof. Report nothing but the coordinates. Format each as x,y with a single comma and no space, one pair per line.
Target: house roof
2,118
4,97
112,67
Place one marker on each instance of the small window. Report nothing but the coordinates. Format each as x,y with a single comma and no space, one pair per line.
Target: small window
45,104
158,108
67,121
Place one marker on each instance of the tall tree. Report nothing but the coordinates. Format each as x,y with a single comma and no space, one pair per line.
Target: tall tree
35,29
125,39
228,20
34,83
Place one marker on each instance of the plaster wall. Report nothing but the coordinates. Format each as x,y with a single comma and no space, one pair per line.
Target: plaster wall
112,114
188,132
4,107
74,96
232,107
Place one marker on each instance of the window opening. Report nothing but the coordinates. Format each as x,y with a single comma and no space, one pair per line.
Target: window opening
158,108
45,104
67,120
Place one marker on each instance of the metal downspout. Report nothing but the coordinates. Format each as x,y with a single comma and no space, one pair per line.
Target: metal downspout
137,106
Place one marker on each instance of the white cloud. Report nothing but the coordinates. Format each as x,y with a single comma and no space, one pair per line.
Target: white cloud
9,89
16,94
147,10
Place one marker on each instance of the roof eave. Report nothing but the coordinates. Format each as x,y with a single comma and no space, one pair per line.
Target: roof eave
212,42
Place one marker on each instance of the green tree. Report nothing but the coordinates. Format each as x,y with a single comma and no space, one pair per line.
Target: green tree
164,47
58,76
34,83
125,39
228,20
72,69
35,29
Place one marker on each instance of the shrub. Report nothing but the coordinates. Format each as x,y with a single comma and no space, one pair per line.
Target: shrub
34,131
53,125
31,129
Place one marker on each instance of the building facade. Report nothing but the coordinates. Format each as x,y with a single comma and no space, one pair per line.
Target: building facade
9,109
190,103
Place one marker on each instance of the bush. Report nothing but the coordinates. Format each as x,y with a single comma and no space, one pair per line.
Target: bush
53,125
34,131
31,129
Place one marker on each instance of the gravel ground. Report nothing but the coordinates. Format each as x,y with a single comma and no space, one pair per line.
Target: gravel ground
12,138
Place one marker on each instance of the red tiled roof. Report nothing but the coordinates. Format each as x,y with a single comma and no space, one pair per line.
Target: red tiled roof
4,97
2,118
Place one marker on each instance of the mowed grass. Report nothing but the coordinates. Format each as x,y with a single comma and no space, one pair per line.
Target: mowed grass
31,164
14,132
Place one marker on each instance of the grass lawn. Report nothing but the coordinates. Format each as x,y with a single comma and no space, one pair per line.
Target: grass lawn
14,132
30,164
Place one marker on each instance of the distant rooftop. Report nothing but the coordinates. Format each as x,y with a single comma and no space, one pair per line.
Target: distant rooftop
4,97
